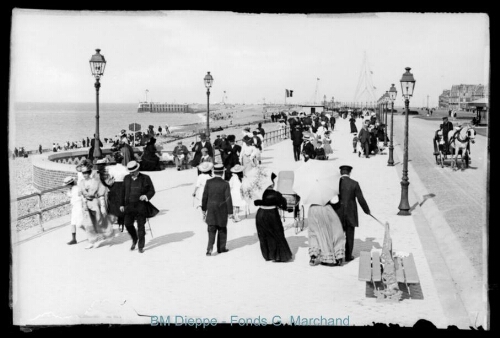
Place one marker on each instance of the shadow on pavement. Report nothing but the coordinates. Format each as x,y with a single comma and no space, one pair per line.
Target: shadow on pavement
169,238
296,242
241,242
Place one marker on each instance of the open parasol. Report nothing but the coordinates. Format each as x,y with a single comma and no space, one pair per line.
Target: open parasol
256,181
316,182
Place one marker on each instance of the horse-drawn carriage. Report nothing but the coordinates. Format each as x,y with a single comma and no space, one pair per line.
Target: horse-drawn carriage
458,144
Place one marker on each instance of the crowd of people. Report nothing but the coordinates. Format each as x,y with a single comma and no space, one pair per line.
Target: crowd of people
122,194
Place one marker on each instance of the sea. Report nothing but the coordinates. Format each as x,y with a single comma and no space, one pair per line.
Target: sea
33,124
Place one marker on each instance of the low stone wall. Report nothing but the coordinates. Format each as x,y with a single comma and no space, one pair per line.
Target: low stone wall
49,170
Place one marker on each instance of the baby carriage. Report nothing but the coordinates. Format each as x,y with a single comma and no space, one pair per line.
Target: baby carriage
284,186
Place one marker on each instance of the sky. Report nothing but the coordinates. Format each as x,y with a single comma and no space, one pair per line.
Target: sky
252,57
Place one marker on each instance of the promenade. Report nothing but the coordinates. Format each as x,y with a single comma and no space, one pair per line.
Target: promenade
54,283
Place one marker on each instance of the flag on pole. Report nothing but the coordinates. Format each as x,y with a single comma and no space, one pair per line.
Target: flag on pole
291,93
287,93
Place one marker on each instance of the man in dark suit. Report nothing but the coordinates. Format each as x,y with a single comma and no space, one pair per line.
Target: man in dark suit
364,138
347,210
332,122
308,148
137,190
217,206
446,127
203,143
232,155
297,141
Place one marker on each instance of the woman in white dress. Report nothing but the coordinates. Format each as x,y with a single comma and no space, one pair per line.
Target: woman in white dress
248,156
76,207
96,221
235,185
205,169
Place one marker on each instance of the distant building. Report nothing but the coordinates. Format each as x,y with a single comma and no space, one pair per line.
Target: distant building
444,99
461,95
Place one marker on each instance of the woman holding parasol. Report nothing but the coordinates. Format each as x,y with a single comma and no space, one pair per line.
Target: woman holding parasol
317,183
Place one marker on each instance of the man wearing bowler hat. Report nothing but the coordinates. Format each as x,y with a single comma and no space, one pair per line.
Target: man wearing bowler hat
217,206
137,190
347,209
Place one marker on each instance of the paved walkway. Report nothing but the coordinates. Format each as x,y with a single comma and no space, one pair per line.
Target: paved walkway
54,283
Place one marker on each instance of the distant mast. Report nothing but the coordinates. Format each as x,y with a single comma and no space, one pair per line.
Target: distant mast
147,91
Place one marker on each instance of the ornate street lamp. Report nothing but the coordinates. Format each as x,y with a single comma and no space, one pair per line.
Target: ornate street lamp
407,86
392,96
386,101
208,83
97,65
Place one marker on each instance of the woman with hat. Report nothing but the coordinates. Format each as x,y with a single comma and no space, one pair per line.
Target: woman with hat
327,141
95,215
205,170
352,121
149,160
235,185
273,244
248,155
76,207
116,174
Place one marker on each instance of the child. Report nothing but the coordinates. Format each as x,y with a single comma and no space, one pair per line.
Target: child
76,207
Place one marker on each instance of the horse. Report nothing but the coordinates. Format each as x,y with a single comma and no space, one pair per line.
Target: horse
459,140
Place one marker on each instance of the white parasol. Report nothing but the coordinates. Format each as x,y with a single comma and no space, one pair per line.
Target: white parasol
256,181
317,182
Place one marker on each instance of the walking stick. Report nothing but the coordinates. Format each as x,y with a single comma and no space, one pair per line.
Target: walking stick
151,231
382,224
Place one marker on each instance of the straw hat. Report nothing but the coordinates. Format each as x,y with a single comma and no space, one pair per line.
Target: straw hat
237,168
133,166
102,161
205,166
219,167
69,180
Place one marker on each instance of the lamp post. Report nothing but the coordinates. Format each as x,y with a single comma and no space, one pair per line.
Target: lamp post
385,117
407,86
97,65
208,83
392,96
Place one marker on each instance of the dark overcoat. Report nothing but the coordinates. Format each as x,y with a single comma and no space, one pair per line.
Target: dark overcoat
147,188
232,155
347,211
197,152
217,202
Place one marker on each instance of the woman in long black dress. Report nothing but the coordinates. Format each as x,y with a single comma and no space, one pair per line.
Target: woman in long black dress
354,129
273,244
149,160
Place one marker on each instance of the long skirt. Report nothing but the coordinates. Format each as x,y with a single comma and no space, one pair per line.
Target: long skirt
354,129
326,236
114,201
273,244
97,226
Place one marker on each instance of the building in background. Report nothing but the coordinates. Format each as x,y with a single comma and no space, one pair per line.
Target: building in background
444,99
461,95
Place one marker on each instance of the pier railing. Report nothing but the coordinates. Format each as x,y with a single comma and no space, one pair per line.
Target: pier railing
40,211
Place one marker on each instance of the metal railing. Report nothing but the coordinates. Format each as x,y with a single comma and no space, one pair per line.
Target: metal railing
40,211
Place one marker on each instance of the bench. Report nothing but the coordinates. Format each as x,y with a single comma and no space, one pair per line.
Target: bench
371,269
